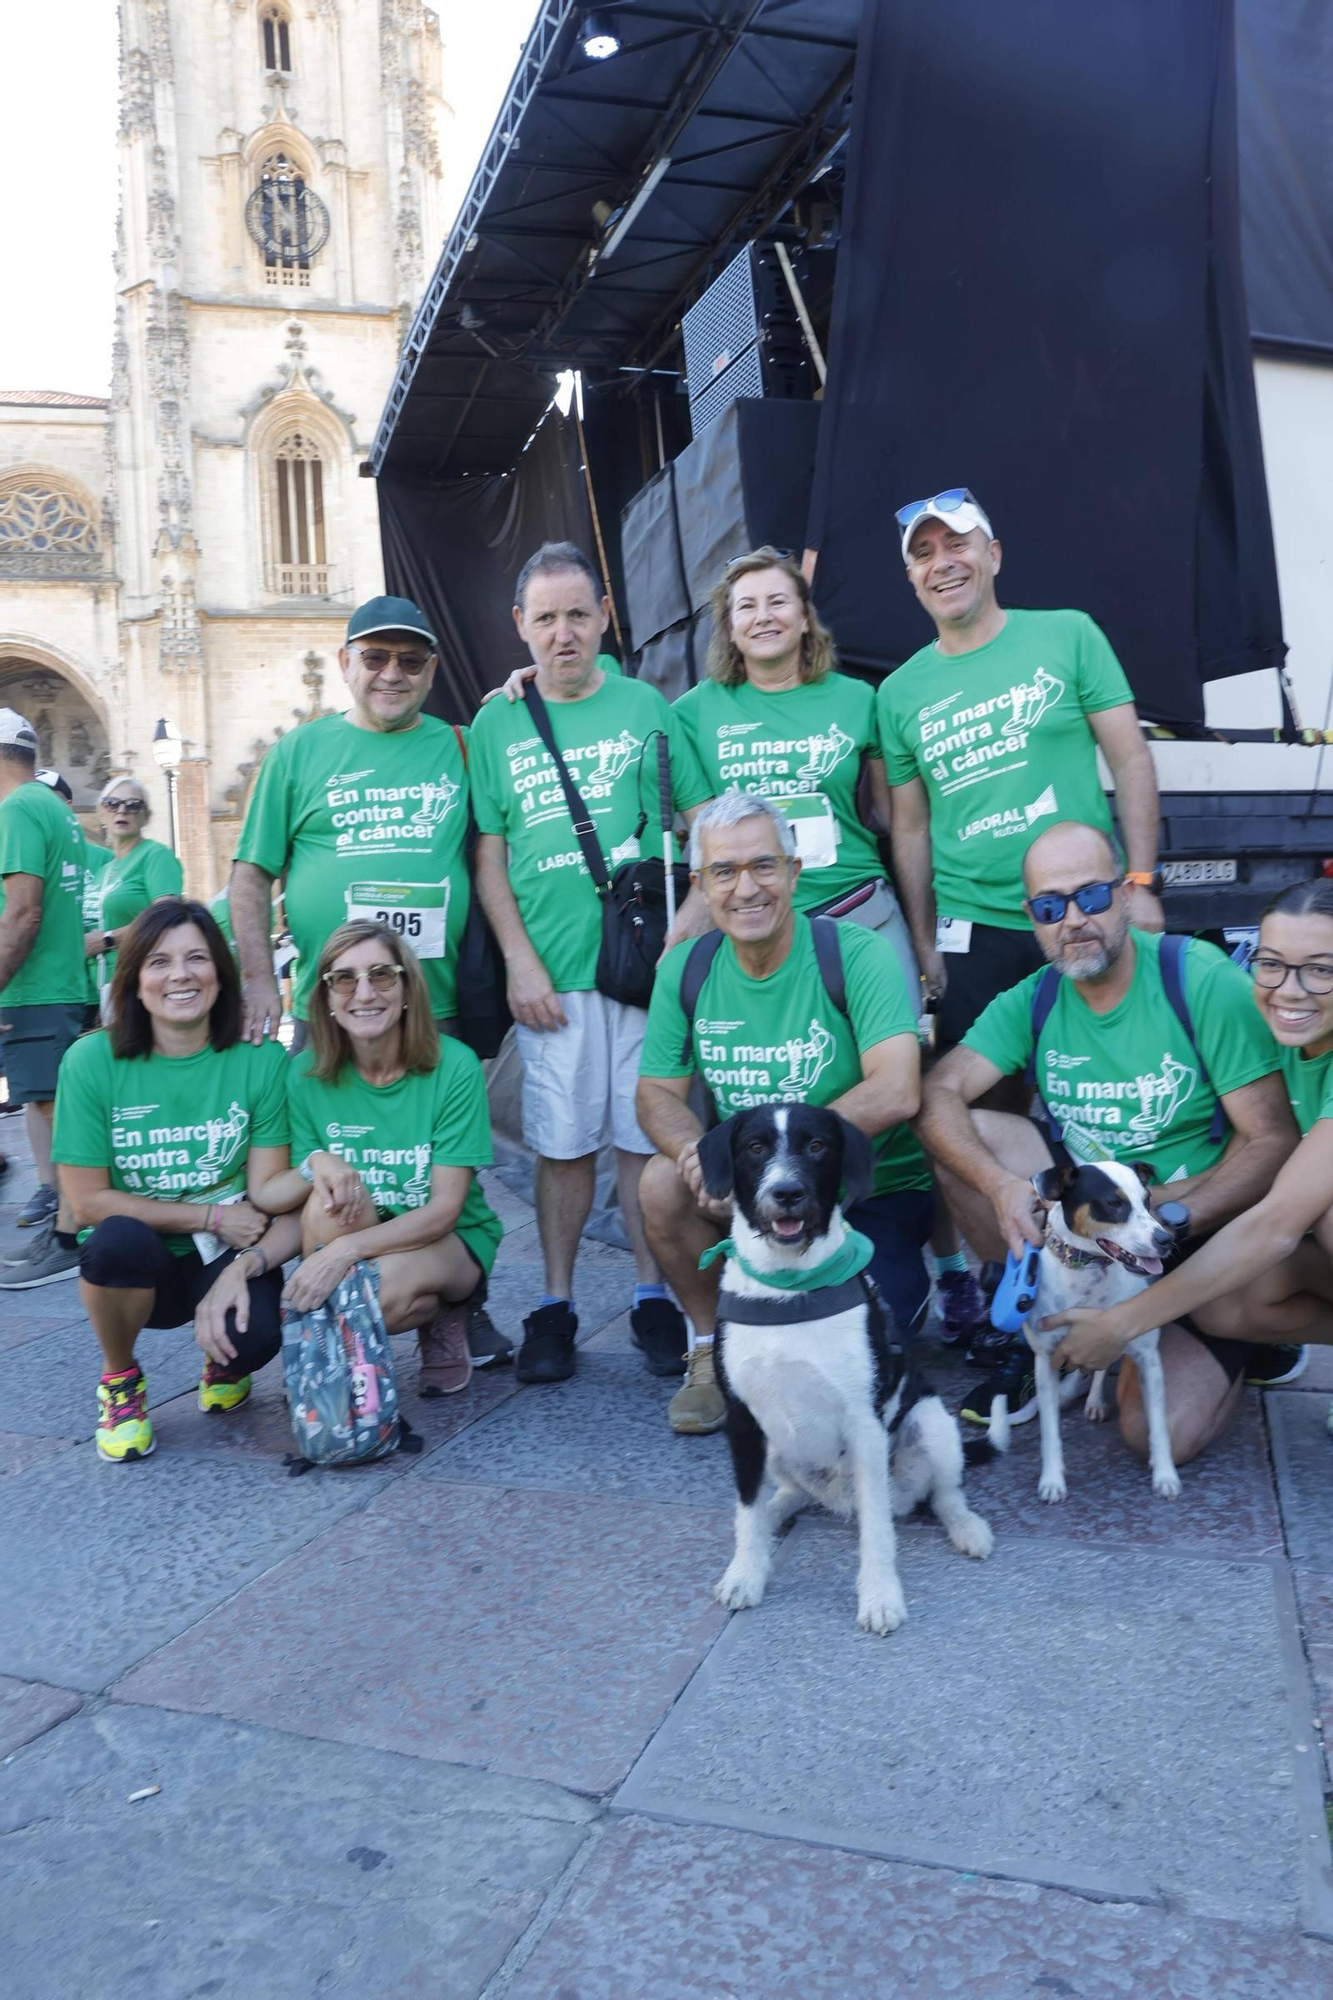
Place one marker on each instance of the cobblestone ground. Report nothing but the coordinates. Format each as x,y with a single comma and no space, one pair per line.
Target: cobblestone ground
470,1724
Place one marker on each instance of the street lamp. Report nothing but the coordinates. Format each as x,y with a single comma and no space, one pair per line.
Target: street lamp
167,753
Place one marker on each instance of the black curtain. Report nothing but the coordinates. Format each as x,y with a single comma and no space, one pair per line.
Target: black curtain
1039,296
1284,63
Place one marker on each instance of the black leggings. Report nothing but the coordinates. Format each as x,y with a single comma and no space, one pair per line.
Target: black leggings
125,1255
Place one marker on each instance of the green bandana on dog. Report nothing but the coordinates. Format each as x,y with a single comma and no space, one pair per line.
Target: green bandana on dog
846,1262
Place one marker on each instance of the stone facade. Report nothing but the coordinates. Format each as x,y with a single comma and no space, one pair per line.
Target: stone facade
191,548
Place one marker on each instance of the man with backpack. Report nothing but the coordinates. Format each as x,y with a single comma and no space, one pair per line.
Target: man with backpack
768,1007
1143,1049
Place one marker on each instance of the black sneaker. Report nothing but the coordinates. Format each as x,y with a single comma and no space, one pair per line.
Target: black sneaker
657,1328
964,1311
547,1353
989,1347
1270,1363
486,1344
1016,1378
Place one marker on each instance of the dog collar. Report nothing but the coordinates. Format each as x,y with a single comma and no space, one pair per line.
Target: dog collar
1072,1259
790,1309
848,1261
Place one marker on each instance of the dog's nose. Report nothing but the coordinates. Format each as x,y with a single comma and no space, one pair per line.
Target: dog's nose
786,1194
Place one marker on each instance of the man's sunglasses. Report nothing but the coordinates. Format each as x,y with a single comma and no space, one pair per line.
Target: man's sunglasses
1093,898
947,502
377,658
344,982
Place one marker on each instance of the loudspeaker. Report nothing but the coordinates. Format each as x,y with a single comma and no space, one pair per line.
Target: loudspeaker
743,338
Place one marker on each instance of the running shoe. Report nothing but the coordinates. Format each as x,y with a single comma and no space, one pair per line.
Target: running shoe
1270,1363
219,1390
123,1428
1016,1378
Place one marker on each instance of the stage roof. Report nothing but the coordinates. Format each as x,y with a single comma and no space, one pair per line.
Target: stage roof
745,98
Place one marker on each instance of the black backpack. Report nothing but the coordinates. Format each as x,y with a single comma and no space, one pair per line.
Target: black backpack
483,1008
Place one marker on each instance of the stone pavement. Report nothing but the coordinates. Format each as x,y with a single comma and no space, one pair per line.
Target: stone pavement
471,1724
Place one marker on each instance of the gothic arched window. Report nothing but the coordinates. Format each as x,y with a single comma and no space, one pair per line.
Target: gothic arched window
287,220
275,27
296,558
45,531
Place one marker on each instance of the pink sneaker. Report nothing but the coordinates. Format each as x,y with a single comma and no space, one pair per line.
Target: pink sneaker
446,1364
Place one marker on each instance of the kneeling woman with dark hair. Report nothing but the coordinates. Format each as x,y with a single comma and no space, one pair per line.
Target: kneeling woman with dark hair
389,1122
166,1127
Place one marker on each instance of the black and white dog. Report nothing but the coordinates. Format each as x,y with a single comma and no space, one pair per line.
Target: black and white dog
818,1394
1103,1245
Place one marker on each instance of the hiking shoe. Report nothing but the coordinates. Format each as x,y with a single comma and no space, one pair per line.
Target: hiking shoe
446,1365
657,1328
698,1408
1016,1378
963,1311
990,1347
40,1207
486,1344
219,1390
547,1353
45,1264
1270,1363
123,1429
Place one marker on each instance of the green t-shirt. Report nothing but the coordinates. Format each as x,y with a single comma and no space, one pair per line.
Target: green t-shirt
122,886
999,737
1127,1084
1309,1084
393,1134
515,792
782,1040
171,1128
366,823
39,835
802,749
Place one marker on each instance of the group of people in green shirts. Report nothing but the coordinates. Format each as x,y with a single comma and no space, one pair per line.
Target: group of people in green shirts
177,1124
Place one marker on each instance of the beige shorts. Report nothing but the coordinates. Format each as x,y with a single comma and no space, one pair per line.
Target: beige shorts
579,1080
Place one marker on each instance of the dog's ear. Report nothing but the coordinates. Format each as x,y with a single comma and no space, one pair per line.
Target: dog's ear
1144,1172
858,1163
1055,1182
715,1159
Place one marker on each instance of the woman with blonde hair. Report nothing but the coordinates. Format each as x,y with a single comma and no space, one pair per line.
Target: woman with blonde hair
124,878
389,1125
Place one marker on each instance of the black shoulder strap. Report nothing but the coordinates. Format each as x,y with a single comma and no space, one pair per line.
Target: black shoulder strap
1044,995
696,969
1171,958
828,952
584,830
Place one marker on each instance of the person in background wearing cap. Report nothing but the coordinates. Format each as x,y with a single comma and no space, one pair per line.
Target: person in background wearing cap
364,816
989,732
43,981
123,878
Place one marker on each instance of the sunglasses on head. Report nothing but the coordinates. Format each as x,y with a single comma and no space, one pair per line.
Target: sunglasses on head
947,502
1093,898
776,555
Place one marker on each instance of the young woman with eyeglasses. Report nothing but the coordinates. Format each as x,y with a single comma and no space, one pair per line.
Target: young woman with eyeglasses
390,1124
1272,1267
124,880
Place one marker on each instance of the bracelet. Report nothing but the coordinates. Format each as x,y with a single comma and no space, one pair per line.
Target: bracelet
306,1171
256,1250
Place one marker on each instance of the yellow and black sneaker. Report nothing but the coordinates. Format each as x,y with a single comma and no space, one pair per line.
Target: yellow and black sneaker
1270,1363
220,1390
123,1428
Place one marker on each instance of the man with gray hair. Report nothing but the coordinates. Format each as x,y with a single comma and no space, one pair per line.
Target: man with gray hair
765,1008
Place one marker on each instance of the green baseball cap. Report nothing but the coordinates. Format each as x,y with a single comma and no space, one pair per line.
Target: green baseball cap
389,614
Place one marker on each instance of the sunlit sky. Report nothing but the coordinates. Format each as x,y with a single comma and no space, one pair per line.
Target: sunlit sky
58,169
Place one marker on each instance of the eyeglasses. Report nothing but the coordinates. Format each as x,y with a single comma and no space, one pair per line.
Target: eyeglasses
947,502
1271,972
769,557
1093,898
376,658
344,981
765,868
124,805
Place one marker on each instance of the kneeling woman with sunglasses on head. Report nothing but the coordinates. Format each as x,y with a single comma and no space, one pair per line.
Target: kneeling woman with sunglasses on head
389,1123
1269,1273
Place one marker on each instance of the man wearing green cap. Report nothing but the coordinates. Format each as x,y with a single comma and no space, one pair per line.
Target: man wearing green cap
362,815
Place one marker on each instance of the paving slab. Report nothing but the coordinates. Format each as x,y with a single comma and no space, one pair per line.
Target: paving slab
1109,1721
100,1564
602,1289
604,1431
265,1865
48,1387
18,1452
1303,1461
791,1922
1314,1598
1227,1505
25,1316
541,1634
30,1708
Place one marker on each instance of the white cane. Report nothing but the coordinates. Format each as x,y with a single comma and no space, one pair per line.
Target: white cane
668,838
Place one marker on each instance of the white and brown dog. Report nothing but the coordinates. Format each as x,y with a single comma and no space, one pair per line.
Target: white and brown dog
1103,1245
819,1395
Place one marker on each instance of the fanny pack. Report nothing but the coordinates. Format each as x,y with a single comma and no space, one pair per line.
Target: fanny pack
633,899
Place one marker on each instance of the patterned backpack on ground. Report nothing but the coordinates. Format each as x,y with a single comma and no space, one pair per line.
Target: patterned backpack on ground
341,1393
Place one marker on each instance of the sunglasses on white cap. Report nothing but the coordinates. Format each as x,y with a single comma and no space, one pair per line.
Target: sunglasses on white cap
956,506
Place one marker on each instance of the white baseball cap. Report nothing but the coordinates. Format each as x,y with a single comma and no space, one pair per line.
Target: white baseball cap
956,507
16,729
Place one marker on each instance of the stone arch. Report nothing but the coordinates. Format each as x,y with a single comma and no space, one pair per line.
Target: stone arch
64,707
293,414
280,137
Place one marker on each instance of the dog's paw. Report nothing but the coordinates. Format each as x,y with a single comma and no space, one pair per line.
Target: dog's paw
1053,1487
1096,1409
881,1608
972,1537
1166,1484
740,1589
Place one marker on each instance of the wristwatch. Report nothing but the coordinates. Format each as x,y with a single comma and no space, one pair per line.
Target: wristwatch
1153,881
108,940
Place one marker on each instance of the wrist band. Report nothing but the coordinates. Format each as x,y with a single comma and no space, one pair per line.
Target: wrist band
305,1170
257,1250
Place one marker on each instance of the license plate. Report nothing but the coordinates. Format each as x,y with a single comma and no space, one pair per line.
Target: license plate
1181,874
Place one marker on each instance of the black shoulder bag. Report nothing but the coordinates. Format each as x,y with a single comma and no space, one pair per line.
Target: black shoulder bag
633,900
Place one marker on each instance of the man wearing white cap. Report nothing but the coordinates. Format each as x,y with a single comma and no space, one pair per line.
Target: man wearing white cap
43,976
989,733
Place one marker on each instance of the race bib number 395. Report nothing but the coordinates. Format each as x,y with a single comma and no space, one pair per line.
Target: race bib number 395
416,910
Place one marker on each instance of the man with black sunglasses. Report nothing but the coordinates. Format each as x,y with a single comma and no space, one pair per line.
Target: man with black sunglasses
989,733
1192,1091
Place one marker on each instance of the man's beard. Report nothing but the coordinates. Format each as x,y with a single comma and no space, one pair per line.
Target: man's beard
1090,960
